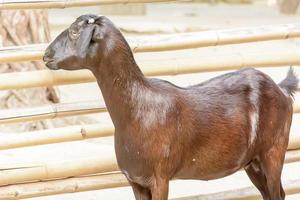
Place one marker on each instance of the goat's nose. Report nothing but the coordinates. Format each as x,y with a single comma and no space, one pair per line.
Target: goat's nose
47,55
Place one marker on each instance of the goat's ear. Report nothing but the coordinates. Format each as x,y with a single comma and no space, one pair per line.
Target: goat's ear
84,41
98,34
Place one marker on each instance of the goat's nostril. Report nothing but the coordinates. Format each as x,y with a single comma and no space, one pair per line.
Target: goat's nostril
47,56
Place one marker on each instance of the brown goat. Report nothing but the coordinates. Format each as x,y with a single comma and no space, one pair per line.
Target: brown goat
206,131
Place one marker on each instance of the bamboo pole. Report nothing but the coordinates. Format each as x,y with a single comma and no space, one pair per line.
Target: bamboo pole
74,133
292,156
104,181
69,185
162,64
22,53
14,169
49,136
172,41
179,64
296,107
248,193
50,111
61,110
42,78
44,4
213,38
35,189
294,141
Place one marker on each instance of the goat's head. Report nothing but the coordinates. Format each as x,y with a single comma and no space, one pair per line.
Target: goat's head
82,45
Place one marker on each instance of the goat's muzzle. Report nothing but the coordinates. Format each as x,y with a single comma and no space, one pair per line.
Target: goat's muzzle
49,61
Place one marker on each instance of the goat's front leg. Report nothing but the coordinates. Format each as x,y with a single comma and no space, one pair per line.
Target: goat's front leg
140,192
160,189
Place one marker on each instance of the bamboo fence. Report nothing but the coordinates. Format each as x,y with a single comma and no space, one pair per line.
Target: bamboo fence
50,111
248,193
15,169
40,78
40,178
49,4
74,133
169,64
213,38
112,180
83,166
56,135
173,41
69,185
61,110
31,52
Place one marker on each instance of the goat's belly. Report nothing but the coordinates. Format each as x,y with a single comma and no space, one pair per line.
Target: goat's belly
195,173
212,168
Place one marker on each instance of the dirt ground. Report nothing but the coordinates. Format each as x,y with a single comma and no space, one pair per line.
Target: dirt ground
181,17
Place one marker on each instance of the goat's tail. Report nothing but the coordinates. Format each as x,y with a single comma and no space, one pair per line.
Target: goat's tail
290,83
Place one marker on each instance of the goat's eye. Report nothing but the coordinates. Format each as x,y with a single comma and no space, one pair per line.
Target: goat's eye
74,34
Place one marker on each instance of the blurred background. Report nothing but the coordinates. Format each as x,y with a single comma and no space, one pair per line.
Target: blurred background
21,27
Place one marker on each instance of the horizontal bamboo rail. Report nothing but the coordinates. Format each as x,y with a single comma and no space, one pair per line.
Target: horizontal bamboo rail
113,180
15,169
69,185
172,41
74,133
183,62
22,53
248,193
296,107
213,38
52,170
49,4
52,111
59,186
56,135
43,78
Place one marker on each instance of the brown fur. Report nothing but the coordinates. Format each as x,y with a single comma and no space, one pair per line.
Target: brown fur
207,131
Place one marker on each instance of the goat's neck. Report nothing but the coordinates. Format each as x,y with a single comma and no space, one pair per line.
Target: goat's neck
116,79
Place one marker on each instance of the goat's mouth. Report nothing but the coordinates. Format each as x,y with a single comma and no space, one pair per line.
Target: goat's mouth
51,64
